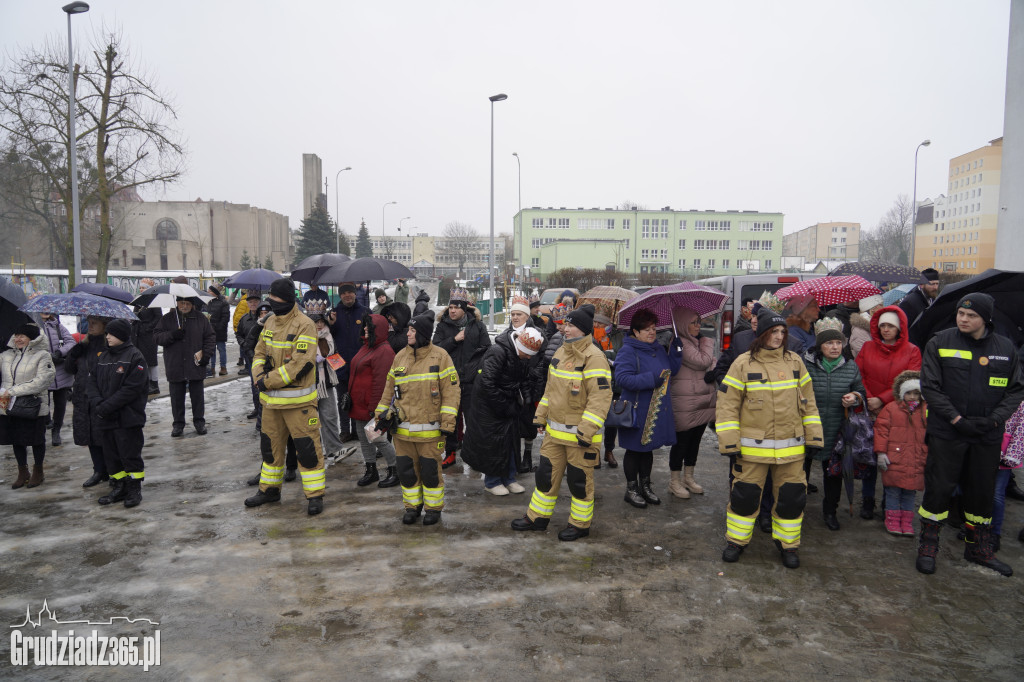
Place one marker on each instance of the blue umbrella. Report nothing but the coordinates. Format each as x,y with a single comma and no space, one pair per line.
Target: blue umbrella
256,278
78,303
896,294
104,290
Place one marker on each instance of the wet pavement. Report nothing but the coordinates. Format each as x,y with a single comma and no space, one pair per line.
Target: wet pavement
271,593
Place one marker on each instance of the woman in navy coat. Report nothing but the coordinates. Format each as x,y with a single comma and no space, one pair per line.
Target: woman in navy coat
642,369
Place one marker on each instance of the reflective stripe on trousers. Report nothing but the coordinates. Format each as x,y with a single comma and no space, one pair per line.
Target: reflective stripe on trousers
271,475
313,480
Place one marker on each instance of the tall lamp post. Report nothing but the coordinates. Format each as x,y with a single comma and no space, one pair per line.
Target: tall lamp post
519,237
382,221
913,223
69,9
337,212
490,263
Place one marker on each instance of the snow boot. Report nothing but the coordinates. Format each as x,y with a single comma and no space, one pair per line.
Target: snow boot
676,485
633,495
133,496
370,476
690,483
116,494
894,522
648,492
979,549
22,478
929,546
907,523
37,476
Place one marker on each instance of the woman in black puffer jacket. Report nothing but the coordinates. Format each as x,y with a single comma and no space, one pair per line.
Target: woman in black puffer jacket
80,361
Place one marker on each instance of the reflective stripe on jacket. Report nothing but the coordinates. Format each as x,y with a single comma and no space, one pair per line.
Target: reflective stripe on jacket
285,358
578,393
425,388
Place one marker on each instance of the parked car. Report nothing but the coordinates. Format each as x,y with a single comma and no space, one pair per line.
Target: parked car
550,297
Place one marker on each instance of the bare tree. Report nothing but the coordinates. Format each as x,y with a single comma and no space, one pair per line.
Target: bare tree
461,242
124,139
893,238
630,205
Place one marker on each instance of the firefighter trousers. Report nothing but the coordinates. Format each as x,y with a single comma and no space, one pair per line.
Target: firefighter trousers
122,452
972,466
303,425
576,464
790,488
419,472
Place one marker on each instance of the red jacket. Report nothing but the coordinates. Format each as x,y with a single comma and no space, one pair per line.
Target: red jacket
900,435
880,364
368,371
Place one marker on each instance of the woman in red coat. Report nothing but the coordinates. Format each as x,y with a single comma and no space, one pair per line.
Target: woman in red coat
881,360
368,372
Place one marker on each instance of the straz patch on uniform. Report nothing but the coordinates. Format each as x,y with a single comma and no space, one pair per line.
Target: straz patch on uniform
982,361
602,382
302,346
269,333
313,421
998,381
440,445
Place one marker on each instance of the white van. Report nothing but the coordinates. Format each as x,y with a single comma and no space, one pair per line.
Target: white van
739,287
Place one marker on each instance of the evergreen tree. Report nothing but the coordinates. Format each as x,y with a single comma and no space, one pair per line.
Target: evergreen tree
363,247
246,261
316,234
268,264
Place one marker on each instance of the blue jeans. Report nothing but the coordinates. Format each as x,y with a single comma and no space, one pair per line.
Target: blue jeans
899,499
868,486
999,500
222,348
509,477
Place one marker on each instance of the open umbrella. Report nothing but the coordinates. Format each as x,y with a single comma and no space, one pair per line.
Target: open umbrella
12,297
167,295
312,267
896,294
364,270
256,278
607,299
876,271
79,303
663,300
830,290
1004,286
104,290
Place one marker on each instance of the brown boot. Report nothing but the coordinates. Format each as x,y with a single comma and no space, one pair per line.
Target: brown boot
22,477
691,484
37,476
676,486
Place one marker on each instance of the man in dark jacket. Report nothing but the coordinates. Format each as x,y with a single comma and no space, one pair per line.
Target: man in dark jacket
422,303
402,292
80,362
315,293
245,324
398,316
971,380
117,391
220,314
252,324
462,334
346,323
189,344
921,297
746,316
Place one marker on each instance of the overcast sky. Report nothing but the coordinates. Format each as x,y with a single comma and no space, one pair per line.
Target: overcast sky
812,109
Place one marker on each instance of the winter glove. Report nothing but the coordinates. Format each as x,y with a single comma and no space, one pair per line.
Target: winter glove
77,351
57,358
972,426
178,334
447,434
883,461
261,384
709,376
811,453
583,443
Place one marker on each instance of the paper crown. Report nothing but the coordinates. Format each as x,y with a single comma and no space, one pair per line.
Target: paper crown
458,295
826,324
530,338
559,312
520,300
534,300
772,302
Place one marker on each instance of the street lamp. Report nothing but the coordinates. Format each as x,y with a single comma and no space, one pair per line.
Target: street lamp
337,212
913,224
401,221
519,237
69,9
382,221
490,263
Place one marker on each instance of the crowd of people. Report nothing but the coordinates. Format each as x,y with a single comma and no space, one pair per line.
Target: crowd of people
797,385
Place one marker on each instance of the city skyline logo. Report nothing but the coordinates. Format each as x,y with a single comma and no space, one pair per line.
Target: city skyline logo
51,615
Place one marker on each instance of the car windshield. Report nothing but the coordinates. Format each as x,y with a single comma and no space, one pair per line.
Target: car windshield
551,296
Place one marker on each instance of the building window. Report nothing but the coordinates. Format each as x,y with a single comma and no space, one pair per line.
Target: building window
711,261
538,223
682,223
627,260
696,261
723,244
682,261
166,229
645,254
767,263
626,222
535,262
725,261
682,242
698,244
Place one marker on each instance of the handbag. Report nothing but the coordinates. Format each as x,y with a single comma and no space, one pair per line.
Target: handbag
345,403
25,407
622,413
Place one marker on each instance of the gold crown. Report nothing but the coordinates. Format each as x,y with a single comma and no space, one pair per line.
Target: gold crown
772,302
828,324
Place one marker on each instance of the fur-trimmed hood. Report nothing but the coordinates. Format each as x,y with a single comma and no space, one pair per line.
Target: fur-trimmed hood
902,378
443,315
861,321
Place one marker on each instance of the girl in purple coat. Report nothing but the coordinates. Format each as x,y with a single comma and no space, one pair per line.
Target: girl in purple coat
643,369
693,401
59,344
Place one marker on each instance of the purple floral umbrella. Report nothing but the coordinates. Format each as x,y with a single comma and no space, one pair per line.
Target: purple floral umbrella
78,303
663,300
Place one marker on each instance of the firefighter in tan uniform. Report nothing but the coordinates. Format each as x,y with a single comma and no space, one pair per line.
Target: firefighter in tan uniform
423,389
571,414
284,371
766,417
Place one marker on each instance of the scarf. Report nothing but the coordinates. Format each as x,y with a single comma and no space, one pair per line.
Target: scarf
830,365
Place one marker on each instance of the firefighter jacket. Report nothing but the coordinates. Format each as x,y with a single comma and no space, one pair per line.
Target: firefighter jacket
424,387
970,377
118,388
284,362
766,409
578,393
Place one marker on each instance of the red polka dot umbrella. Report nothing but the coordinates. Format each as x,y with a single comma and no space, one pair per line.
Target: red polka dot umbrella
663,300
830,290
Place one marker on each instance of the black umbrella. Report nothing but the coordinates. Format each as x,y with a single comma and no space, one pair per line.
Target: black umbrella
876,271
256,278
104,290
12,297
310,268
364,270
1006,287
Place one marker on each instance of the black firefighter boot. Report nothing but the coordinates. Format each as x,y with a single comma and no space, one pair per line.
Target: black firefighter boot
929,546
117,493
264,496
411,514
524,523
371,475
979,549
133,497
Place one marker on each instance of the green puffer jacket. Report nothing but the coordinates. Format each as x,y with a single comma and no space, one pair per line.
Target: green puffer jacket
829,389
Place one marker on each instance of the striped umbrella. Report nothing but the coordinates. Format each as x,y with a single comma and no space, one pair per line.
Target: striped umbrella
606,299
663,300
830,290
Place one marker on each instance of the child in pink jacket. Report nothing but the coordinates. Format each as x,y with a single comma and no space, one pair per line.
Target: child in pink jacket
901,451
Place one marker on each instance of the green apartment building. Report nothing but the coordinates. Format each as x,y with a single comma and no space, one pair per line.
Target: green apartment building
696,243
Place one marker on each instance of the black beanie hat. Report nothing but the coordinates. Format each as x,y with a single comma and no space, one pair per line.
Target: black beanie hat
930,274
768,318
424,326
284,289
214,290
120,329
29,330
582,318
983,304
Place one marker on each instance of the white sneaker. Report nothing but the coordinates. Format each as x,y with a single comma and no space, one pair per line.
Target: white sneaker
514,487
498,490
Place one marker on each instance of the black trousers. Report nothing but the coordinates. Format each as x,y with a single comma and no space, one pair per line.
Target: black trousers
122,450
686,449
60,406
461,424
195,391
833,489
99,462
972,466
